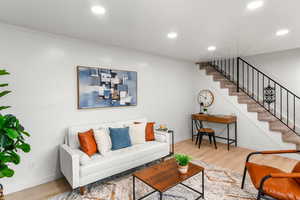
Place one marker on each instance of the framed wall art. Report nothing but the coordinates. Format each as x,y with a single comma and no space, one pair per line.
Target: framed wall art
101,87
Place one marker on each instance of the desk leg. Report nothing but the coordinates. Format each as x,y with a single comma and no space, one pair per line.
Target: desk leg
235,132
192,130
228,137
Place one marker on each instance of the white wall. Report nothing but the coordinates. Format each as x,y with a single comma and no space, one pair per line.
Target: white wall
283,67
44,98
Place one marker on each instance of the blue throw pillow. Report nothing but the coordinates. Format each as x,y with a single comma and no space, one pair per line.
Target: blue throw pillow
119,138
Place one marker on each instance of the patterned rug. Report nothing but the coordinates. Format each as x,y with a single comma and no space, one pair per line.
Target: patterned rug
220,184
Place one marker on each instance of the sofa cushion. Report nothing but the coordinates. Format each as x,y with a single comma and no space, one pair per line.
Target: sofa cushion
103,141
87,142
137,133
119,138
72,137
114,159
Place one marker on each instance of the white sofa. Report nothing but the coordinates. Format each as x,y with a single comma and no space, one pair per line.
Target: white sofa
80,169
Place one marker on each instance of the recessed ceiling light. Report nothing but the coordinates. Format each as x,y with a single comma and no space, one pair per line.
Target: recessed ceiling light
255,4
98,10
282,32
172,35
211,48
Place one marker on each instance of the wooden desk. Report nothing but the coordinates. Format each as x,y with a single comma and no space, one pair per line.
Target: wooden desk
197,120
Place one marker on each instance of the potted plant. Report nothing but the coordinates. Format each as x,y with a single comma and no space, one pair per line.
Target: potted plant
12,139
183,162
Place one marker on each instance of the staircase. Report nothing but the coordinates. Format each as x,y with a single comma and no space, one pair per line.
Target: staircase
273,103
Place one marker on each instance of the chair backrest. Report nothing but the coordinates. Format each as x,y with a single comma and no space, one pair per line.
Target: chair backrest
297,170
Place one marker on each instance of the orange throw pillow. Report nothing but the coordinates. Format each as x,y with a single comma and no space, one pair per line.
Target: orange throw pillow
150,131
87,142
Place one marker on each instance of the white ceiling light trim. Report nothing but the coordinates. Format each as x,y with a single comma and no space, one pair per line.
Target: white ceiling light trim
282,32
98,10
255,5
172,35
211,48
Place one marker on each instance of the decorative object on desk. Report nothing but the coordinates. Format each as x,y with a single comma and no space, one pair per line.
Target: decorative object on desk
12,137
99,87
183,162
205,111
205,99
269,94
162,127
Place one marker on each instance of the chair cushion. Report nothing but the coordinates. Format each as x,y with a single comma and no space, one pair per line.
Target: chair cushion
279,188
150,131
206,130
297,170
87,142
119,138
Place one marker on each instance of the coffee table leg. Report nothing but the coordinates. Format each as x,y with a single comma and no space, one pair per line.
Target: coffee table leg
160,195
203,184
133,187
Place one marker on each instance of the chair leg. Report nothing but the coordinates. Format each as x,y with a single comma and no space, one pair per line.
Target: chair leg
244,177
214,138
259,195
197,138
200,141
209,136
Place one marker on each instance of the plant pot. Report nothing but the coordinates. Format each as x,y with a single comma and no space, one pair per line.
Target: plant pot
1,192
183,169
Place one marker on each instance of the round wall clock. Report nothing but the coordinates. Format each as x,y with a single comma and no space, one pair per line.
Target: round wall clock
206,97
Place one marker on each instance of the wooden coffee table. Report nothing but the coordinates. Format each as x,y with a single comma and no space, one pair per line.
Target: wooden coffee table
165,175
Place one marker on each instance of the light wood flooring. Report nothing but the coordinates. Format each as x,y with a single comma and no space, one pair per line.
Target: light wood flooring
233,159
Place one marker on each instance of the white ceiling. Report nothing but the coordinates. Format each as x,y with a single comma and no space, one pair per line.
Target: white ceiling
143,24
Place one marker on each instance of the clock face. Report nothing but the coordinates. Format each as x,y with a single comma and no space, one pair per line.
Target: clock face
206,97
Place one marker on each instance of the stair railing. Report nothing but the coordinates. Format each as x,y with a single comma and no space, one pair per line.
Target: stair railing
268,93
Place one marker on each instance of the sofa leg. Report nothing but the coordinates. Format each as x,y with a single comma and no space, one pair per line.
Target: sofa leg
82,190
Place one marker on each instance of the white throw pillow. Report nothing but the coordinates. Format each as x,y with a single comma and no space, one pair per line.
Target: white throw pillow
103,140
137,133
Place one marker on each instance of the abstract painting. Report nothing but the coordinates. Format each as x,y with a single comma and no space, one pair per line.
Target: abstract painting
100,87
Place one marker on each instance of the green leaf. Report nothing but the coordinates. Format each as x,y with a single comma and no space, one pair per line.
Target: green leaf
4,85
4,107
4,93
25,147
11,133
6,172
26,133
3,72
15,158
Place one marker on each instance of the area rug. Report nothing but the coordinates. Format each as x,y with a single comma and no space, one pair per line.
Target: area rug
220,184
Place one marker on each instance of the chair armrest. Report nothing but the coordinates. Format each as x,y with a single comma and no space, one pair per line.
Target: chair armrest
280,151
69,164
271,152
285,175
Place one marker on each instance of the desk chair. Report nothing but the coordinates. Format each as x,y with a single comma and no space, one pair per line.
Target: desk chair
205,132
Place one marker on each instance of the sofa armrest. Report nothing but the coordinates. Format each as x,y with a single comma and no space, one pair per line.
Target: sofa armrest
69,165
161,136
